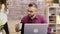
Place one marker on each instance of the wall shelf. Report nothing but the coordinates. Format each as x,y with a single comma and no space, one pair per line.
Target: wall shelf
53,12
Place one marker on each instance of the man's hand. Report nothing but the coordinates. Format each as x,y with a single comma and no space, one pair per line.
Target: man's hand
17,27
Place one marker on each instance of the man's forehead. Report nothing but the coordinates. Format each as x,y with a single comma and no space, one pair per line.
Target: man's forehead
31,8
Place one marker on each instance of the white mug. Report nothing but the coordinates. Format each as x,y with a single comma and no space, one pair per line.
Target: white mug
20,26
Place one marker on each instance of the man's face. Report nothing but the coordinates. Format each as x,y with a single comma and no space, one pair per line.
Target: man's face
32,11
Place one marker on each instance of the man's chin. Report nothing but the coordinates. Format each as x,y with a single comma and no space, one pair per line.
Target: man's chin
31,15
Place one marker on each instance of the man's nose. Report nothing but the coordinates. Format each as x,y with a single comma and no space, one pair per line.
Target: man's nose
29,12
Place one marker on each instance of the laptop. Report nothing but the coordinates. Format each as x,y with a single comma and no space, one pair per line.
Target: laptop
35,28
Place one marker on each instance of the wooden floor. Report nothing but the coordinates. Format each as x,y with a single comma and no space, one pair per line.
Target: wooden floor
11,25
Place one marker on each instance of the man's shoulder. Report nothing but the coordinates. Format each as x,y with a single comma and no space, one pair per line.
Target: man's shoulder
39,16
25,17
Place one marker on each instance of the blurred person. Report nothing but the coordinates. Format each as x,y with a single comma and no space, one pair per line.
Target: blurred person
1,25
32,17
3,15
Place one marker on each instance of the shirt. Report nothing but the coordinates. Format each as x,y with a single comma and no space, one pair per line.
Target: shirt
3,16
27,19
37,19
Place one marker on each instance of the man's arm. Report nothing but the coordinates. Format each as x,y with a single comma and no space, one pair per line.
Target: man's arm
18,26
43,19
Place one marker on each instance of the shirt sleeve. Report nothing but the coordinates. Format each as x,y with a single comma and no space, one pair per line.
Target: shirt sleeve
22,20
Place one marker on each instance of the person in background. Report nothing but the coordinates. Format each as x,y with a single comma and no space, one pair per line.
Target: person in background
3,15
1,25
32,17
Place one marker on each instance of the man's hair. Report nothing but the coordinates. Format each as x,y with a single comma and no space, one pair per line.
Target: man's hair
32,4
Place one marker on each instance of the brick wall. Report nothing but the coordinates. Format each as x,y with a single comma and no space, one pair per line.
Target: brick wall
17,8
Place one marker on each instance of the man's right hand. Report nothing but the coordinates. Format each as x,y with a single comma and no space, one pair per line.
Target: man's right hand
17,27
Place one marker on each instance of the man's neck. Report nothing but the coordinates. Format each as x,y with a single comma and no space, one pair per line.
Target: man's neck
33,17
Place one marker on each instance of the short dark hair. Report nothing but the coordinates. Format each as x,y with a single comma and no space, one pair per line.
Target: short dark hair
32,4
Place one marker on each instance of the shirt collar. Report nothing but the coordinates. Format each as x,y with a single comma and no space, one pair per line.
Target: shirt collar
36,17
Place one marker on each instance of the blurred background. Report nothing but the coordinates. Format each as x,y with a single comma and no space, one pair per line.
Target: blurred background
48,8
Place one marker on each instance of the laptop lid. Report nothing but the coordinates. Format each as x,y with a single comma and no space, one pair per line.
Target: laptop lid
35,28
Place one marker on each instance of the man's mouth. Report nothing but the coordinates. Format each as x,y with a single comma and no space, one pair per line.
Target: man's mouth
31,15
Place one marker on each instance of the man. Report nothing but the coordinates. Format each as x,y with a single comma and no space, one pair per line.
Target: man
32,16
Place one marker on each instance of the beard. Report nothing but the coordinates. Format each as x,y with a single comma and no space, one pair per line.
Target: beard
31,15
